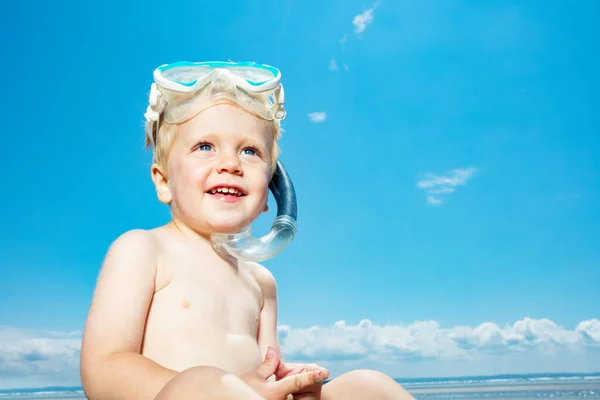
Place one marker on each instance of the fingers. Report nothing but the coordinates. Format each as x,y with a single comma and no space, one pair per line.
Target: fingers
324,372
296,371
269,365
293,368
288,372
298,382
306,396
315,367
282,370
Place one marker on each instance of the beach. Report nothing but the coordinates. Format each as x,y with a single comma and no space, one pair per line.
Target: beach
515,387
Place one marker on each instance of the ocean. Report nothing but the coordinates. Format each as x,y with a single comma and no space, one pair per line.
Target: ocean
515,387
521,387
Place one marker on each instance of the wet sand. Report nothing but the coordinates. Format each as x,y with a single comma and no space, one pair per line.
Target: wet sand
474,391
537,387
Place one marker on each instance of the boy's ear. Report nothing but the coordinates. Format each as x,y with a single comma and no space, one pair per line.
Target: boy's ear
159,177
266,208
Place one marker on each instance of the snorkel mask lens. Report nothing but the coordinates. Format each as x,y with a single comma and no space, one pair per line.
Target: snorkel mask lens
196,74
189,88
182,90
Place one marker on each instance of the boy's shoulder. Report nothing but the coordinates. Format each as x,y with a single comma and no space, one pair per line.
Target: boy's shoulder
134,244
136,239
264,278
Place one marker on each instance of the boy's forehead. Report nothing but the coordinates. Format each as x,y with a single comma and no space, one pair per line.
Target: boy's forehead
224,121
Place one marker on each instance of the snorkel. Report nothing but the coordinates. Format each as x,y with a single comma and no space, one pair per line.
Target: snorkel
247,248
182,90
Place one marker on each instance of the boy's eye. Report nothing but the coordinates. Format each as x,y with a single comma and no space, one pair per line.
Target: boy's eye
249,151
204,147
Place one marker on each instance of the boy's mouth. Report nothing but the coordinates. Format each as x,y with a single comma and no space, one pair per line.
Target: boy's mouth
227,192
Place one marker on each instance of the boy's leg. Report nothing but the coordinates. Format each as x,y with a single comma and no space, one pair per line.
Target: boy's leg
206,383
362,385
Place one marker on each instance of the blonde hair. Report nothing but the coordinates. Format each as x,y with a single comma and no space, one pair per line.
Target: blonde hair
161,142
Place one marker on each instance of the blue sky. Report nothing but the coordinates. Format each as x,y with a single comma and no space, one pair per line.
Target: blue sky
444,154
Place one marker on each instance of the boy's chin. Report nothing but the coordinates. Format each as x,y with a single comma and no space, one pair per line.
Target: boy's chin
228,230
229,227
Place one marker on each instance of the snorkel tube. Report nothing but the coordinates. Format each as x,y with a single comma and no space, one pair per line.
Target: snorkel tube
244,247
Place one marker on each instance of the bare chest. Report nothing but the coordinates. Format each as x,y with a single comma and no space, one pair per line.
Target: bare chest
228,302
203,311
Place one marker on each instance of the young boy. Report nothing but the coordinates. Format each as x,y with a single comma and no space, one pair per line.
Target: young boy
172,318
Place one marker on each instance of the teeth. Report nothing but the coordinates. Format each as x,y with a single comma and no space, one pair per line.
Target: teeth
226,191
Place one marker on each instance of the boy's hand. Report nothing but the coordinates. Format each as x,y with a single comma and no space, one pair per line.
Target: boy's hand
295,384
287,369
312,392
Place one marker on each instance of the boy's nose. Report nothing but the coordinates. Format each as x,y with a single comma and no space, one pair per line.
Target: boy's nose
230,164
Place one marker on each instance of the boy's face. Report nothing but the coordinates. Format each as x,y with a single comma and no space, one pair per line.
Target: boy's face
222,149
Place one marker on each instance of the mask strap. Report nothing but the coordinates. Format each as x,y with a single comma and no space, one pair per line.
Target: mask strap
154,111
279,99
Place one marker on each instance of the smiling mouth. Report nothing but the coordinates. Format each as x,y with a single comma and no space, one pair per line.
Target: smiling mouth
227,191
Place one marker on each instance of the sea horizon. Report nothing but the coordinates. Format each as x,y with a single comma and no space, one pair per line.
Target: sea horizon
569,385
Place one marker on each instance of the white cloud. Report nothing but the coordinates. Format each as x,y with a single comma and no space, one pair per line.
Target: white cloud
35,358
435,185
434,201
333,65
426,340
361,21
589,330
38,358
317,117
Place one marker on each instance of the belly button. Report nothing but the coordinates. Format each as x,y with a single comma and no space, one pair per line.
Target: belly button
185,304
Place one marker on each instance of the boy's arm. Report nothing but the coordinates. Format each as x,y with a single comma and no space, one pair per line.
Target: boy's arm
111,364
267,332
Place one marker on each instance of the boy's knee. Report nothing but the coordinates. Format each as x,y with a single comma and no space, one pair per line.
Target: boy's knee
378,383
186,384
371,380
201,373
366,376
199,383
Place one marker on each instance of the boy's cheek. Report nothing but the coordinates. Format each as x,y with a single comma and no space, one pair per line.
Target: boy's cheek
194,179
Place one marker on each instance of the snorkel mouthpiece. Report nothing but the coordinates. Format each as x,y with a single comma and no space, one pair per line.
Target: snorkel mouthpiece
246,248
